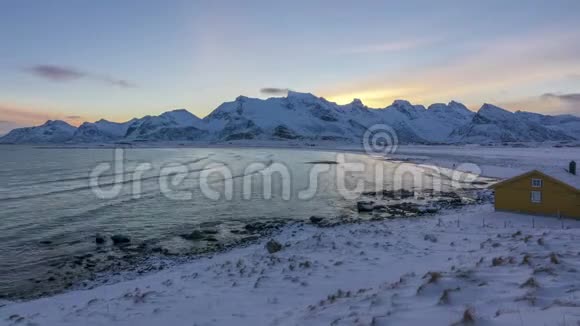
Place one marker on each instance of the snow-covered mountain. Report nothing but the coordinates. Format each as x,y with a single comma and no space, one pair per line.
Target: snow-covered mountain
296,116
303,116
492,124
440,120
567,124
52,131
431,125
101,131
173,125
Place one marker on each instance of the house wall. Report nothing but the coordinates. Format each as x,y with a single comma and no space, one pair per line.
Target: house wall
556,197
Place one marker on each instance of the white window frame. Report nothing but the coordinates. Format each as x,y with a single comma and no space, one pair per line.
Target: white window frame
537,183
536,197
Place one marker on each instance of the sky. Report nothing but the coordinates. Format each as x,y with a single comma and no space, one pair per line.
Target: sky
81,60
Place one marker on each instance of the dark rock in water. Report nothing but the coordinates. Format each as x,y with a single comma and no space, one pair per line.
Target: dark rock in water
390,194
323,162
273,246
45,242
211,239
364,206
380,208
255,227
99,239
405,193
195,235
450,203
372,193
120,239
263,227
316,219
405,207
402,209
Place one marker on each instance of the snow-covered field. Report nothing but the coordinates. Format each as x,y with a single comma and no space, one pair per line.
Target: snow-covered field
474,263
497,161
471,265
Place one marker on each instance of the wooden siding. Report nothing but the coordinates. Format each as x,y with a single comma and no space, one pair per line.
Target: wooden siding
557,197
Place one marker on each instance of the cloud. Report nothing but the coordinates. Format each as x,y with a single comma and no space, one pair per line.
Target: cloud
548,103
274,91
73,117
573,98
67,74
56,73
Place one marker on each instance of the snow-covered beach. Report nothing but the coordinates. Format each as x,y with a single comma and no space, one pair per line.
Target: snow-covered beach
463,265
494,268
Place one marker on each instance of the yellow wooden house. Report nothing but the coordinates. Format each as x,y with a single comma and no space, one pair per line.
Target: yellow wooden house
540,192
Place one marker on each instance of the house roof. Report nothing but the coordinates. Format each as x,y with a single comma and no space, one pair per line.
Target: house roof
564,176
561,175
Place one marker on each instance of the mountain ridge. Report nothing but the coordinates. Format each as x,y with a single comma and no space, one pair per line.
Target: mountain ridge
304,116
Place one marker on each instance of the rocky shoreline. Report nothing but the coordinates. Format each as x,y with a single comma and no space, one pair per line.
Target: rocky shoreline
118,257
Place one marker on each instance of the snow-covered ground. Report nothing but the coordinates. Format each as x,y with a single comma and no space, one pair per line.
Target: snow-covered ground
503,269
497,162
